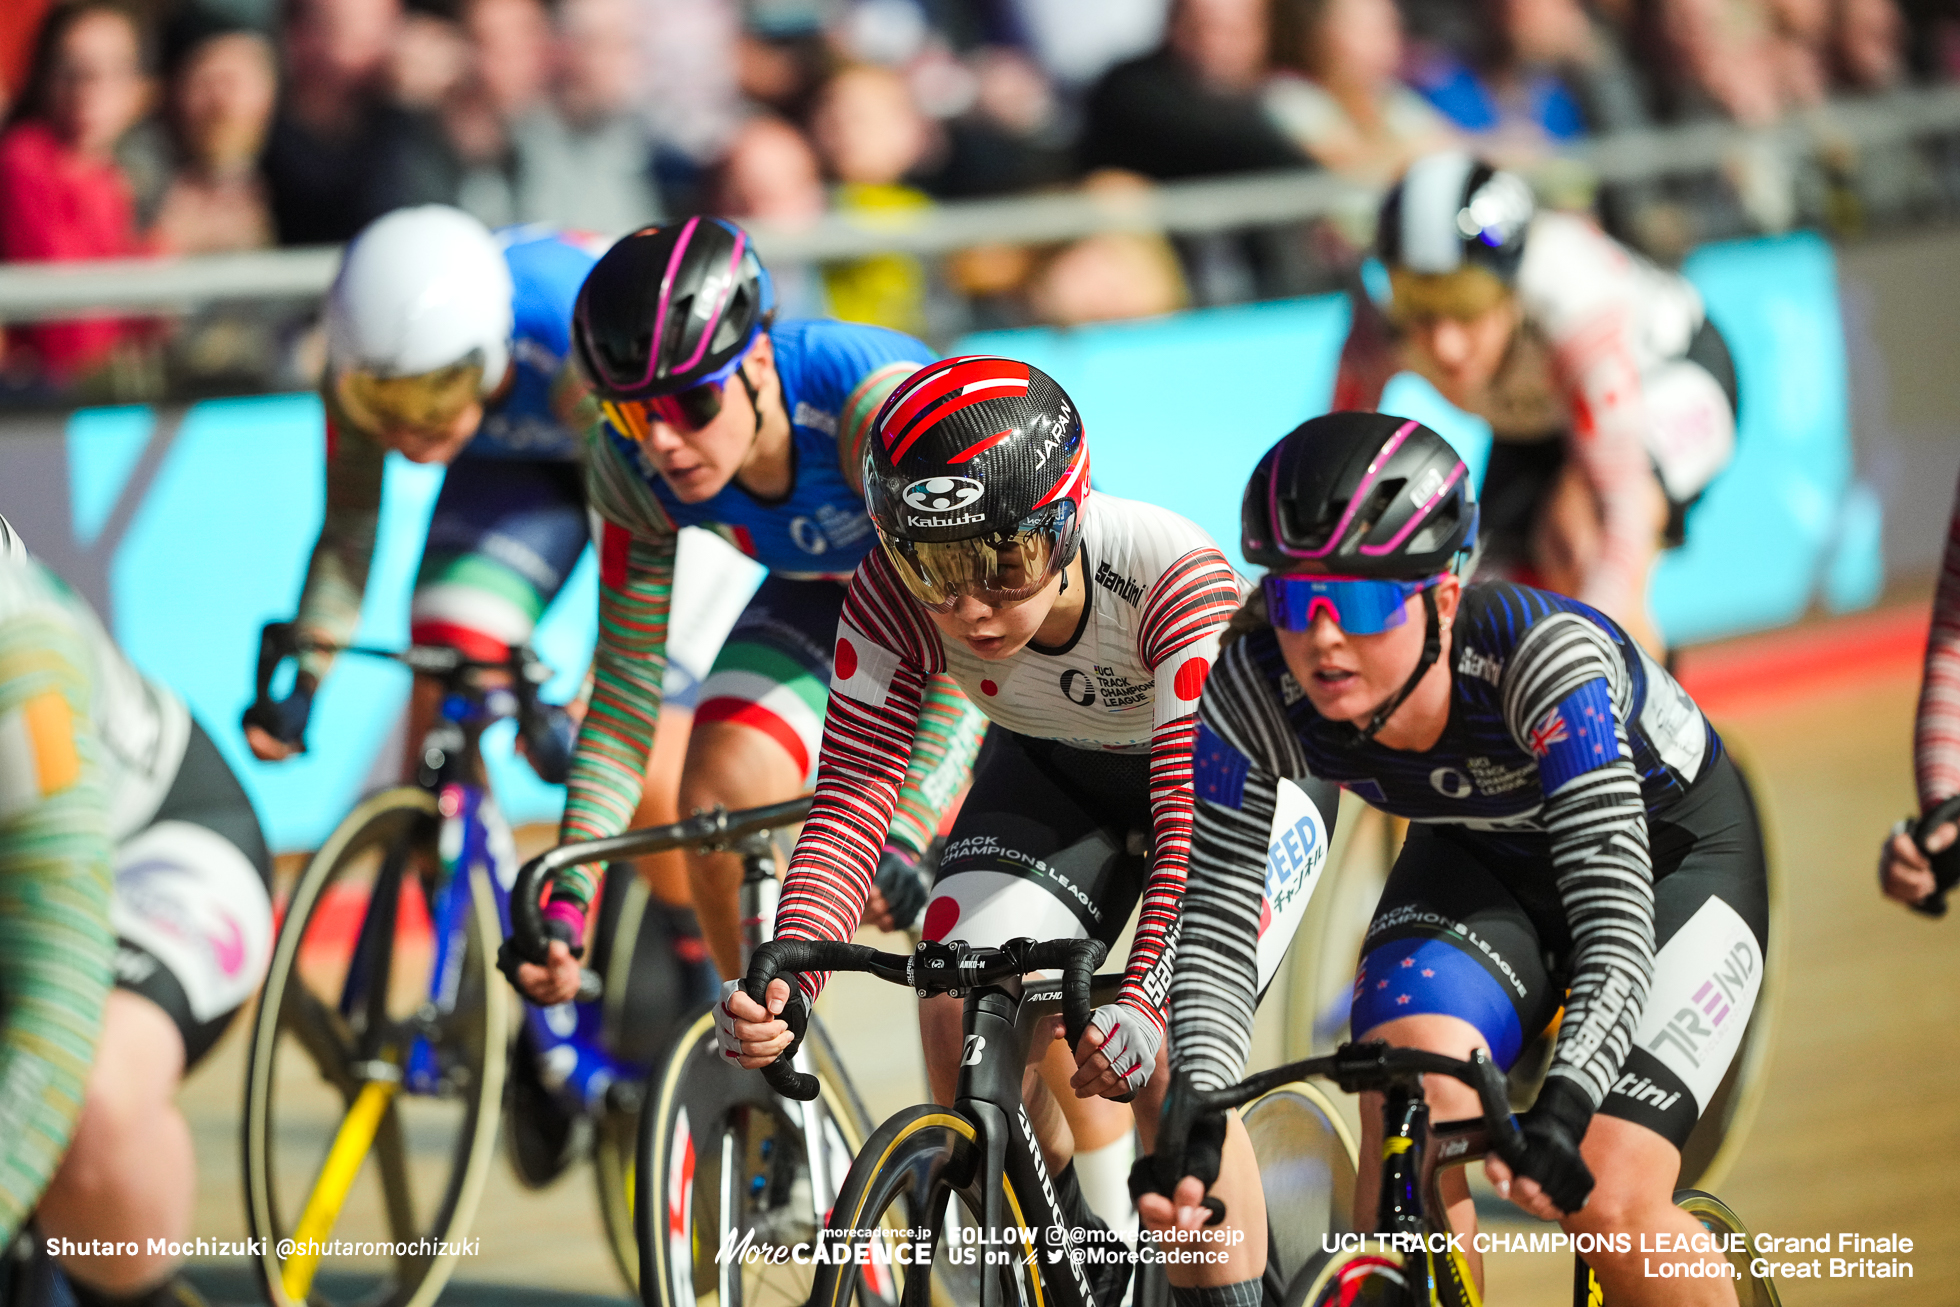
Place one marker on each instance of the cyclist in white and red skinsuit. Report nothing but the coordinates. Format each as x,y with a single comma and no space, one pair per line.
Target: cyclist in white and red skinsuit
1904,872
1611,396
1084,627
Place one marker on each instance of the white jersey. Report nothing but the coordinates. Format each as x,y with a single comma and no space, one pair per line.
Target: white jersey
1150,574
1575,280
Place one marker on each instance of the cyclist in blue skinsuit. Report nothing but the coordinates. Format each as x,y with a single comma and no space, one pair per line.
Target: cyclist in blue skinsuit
451,344
717,416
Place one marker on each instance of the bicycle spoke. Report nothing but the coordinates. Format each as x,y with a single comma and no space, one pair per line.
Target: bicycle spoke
324,1035
391,1153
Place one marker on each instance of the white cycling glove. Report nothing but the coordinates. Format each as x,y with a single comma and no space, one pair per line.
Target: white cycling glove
1130,1042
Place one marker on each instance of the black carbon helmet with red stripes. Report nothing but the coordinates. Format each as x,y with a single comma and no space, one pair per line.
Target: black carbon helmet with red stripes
1359,494
668,309
976,474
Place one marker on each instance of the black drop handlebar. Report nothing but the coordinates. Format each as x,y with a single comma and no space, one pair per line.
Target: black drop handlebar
1356,1068
934,968
279,641
707,830
1946,864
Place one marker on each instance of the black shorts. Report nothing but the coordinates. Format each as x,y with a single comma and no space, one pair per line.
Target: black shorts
191,908
1461,932
1052,842
1521,473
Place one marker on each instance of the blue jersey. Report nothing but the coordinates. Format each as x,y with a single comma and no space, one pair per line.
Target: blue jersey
547,267
1493,766
835,375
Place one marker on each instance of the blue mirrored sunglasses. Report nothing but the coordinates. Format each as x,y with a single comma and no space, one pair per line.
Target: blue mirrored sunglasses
1358,605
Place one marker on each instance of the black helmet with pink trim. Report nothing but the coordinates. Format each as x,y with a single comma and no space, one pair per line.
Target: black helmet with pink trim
1359,494
976,474
670,308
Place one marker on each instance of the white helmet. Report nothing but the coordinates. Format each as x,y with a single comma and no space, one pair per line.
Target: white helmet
419,317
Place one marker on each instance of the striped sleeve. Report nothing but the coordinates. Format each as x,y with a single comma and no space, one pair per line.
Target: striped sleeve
1177,639
1936,730
860,409
337,573
636,585
1566,698
943,749
887,653
56,944
1243,746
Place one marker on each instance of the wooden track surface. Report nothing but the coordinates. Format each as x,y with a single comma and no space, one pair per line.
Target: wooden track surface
1858,1133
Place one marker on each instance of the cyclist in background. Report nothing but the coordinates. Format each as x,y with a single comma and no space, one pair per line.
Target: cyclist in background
1905,873
718,416
1579,839
1611,395
1083,626
130,854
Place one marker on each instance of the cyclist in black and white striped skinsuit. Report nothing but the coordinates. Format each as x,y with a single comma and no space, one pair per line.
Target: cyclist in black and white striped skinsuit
1579,839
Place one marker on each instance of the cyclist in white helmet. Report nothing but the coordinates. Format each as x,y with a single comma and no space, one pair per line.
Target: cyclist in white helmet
1611,395
449,343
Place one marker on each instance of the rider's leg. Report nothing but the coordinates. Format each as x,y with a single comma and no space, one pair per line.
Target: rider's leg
131,1173
665,874
1449,1100
1568,538
734,766
1238,1242
1105,1145
1635,1171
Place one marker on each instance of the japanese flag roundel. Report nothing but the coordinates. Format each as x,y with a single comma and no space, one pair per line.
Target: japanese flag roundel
861,668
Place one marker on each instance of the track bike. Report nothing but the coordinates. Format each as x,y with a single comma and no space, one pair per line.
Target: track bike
384,1032
1413,1263
966,1186
719,1165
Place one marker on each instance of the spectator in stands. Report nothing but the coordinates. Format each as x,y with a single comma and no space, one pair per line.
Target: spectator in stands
506,77
1011,139
341,151
62,197
871,137
585,159
222,82
1334,90
770,175
427,60
1106,277
19,21
1512,88
1192,107
1870,40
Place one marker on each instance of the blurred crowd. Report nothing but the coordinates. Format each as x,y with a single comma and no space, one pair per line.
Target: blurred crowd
140,127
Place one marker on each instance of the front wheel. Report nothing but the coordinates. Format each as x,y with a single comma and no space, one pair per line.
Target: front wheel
730,1179
359,1048
922,1169
1355,1278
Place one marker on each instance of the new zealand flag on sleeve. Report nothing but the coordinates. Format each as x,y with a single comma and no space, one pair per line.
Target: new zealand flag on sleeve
1220,770
1575,737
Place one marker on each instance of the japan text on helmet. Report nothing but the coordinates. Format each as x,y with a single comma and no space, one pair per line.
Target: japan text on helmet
419,318
976,475
1359,494
668,309
1452,210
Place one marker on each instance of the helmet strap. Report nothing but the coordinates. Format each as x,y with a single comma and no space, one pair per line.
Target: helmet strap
1432,649
755,403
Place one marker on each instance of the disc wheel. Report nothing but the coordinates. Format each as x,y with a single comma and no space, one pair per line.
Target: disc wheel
355,955
922,1170
1307,1161
724,1162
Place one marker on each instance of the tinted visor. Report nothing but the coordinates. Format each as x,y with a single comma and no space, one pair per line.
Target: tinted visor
427,401
1358,605
1000,568
690,410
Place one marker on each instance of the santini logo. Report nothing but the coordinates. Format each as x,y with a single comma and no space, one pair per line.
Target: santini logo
943,494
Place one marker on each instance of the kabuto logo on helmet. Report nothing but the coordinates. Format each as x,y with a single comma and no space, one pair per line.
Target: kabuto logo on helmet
943,494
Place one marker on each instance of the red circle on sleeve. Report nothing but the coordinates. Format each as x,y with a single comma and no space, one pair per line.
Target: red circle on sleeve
1190,679
942,914
847,660
989,689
